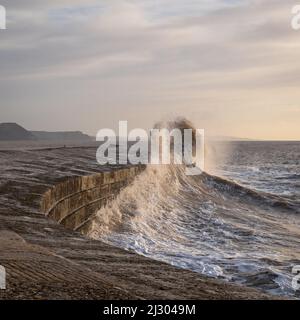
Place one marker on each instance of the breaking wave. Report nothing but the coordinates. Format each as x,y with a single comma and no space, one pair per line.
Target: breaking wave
206,224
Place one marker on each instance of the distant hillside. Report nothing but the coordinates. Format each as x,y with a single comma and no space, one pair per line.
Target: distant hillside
13,131
61,136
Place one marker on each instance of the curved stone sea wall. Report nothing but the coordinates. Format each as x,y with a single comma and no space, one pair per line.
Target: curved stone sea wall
74,202
44,260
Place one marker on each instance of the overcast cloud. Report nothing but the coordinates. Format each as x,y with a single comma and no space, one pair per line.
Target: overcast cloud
231,66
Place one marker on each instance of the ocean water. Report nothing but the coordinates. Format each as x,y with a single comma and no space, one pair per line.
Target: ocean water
239,222
272,167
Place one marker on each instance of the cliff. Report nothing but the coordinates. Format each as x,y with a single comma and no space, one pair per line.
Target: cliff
13,131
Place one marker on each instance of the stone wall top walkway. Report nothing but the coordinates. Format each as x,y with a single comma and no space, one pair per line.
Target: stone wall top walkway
44,260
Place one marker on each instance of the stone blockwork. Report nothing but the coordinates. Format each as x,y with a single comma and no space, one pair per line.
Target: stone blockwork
45,260
74,202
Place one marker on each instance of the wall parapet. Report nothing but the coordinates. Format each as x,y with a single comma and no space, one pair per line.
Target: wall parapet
74,202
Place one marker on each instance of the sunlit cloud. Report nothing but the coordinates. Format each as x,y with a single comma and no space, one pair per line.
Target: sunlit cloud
151,59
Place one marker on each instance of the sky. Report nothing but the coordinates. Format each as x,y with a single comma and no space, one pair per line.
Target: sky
232,67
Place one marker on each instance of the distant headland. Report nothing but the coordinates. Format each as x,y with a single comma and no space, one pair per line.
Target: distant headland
14,132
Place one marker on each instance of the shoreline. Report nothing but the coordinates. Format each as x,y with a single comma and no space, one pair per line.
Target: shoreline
44,260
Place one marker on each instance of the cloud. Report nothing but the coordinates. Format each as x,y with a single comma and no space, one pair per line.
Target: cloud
166,53
228,39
